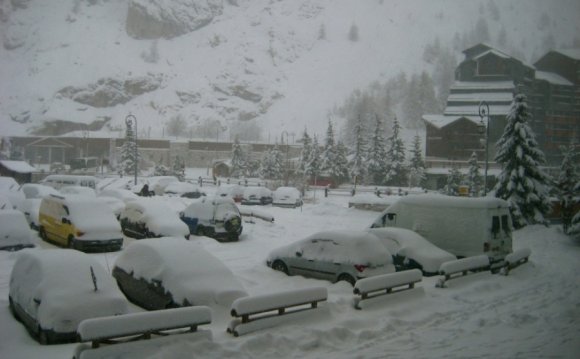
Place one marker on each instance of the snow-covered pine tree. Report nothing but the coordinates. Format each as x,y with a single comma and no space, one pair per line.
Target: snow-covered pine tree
314,161
357,162
305,154
396,174
522,182
454,180
266,164
566,183
377,156
417,177
238,160
474,178
129,154
277,163
328,156
339,170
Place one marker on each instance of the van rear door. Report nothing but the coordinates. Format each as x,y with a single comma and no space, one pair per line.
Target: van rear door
499,242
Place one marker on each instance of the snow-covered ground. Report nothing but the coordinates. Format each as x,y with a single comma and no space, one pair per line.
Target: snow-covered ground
534,312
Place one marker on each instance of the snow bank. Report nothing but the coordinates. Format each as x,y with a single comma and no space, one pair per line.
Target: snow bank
137,323
171,346
267,302
464,264
386,281
518,255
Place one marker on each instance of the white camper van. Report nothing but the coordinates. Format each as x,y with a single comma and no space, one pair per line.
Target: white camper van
464,227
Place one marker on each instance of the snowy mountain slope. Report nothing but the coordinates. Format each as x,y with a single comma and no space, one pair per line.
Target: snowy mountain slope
261,60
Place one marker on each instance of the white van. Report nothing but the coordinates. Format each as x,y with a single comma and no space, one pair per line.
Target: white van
58,181
464,227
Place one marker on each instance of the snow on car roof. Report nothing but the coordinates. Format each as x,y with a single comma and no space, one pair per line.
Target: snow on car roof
185,268
181,187
63,281
248,191
357,247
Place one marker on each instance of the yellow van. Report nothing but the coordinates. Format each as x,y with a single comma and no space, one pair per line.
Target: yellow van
79,222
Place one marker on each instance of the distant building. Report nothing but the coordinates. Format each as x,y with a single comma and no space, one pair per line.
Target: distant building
552,86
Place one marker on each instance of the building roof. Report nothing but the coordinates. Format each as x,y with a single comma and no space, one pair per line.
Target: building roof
552,78
496,51
476,97
492,51
571,53
487,85
441,121
17,166
494,110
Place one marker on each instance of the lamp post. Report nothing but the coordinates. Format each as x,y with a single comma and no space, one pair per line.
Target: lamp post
129,122
484,112
287,146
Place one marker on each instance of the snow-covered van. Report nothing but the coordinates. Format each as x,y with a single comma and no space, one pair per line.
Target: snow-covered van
464,227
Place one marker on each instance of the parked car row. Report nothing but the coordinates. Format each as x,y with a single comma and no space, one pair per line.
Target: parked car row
53,290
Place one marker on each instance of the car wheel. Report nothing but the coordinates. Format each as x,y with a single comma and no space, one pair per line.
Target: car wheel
42,233
71,242
13,309
42,336
347,278
280,266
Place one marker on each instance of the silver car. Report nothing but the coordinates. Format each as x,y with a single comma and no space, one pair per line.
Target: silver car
334,256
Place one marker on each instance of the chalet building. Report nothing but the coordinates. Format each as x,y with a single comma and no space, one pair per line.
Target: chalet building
552,86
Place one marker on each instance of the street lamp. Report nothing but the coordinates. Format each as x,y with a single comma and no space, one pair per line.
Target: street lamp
484,112
287,147
129,122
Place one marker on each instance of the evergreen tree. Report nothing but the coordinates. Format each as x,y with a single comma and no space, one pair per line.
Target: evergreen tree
454,179
305,154
574,228
417,177
329,151
129,154
238,160
314,161
396,170
567,181
339,170
474,178
522,182
377,156
276,163
357,163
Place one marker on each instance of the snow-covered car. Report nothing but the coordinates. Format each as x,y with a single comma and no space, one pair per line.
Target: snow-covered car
161,273
116,205
217,217
10,189
410,250
5,202
287,197
233,191
149,218
183,189
79,222
15,233
53,290
158,184
78,190
335,256
119,193
257,196
30,205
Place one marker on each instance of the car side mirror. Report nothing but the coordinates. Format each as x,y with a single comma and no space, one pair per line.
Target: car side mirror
181,214
298,254
64,220
36,300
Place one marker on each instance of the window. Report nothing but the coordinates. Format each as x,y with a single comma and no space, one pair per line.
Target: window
495,228
505,224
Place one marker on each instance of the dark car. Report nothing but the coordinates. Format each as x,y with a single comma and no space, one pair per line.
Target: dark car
149,218
217,218
257,196
159,273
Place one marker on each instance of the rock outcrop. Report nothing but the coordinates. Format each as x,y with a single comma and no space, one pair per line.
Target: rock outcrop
155,19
